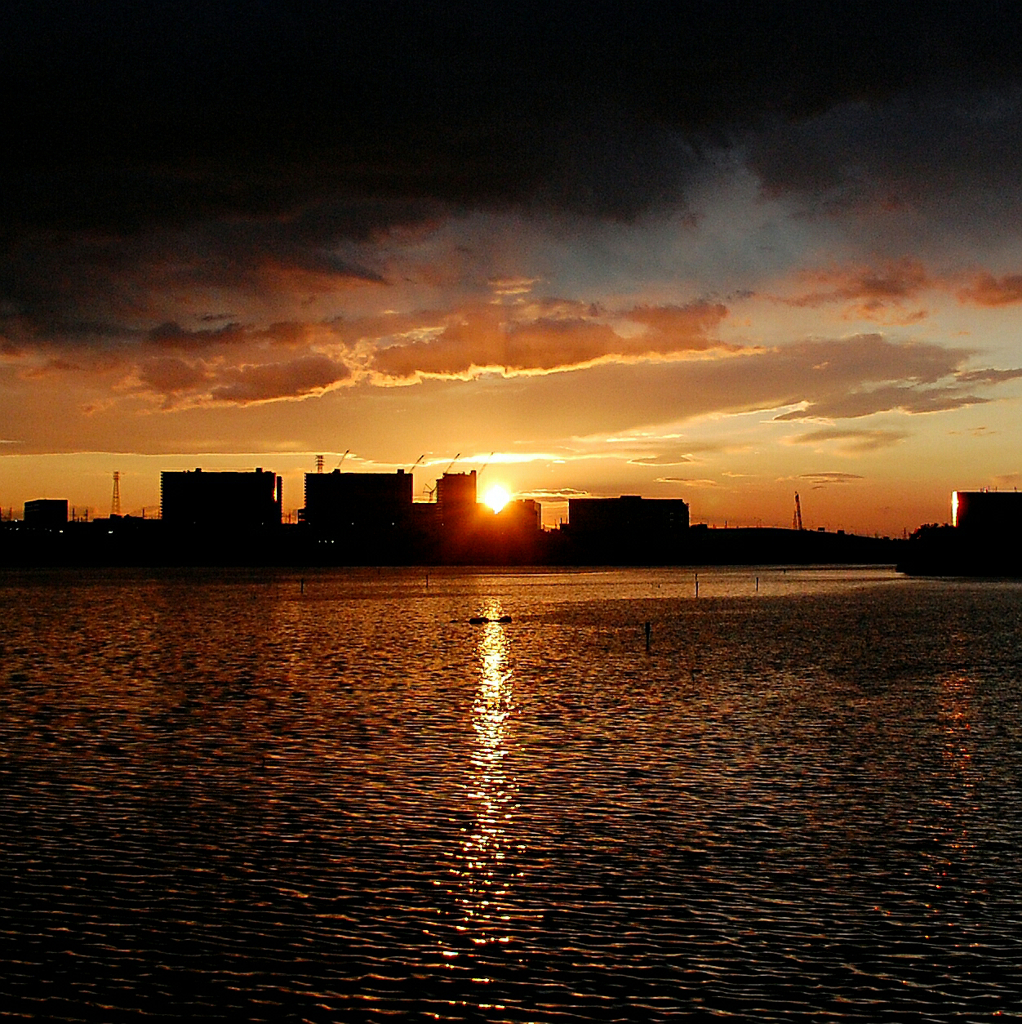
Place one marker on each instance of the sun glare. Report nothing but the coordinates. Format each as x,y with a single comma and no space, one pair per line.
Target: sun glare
496,497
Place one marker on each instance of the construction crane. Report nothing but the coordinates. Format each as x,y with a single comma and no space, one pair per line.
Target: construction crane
430,492
417,461
342,458
485,464
796,519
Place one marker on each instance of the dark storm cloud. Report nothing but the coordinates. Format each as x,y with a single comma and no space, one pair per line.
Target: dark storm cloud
17,333
149,147
946,147
286,334
989,376
68,282
118,114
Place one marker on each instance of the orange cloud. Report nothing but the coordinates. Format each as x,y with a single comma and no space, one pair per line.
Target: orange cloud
877,295
549,336
171,376
897,281
180,383
987,290
296,378
856,442
663,459
688,481
823,479
881,295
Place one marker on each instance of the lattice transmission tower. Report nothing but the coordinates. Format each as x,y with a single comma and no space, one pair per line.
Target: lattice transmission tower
115,501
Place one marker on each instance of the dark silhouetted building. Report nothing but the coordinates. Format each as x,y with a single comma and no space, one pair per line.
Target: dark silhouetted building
456,500
981,540
989,512
627,515
220,503
514,535
629,529
521,515
46,513
370,504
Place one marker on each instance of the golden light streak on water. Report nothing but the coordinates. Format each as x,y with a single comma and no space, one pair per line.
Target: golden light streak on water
491,788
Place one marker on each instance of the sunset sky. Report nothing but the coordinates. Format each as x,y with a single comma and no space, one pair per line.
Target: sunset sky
716,251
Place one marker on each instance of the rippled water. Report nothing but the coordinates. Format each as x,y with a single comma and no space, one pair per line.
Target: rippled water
263,797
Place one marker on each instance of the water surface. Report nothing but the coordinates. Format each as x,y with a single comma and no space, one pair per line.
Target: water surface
261,796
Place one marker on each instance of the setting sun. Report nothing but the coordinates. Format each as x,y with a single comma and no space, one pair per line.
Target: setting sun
496,497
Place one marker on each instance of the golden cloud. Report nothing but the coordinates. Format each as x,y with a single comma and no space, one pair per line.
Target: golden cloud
296,378
550,336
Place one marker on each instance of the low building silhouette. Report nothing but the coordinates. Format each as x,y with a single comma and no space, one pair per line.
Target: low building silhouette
359,518
521,515
457,529
627,514
219,503
626,529
46,514
341,503
984,511
982,539
512,536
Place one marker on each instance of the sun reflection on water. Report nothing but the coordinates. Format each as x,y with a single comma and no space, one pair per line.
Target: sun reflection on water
485,873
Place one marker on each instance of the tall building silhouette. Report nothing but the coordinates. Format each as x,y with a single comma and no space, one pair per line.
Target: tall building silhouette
456,501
